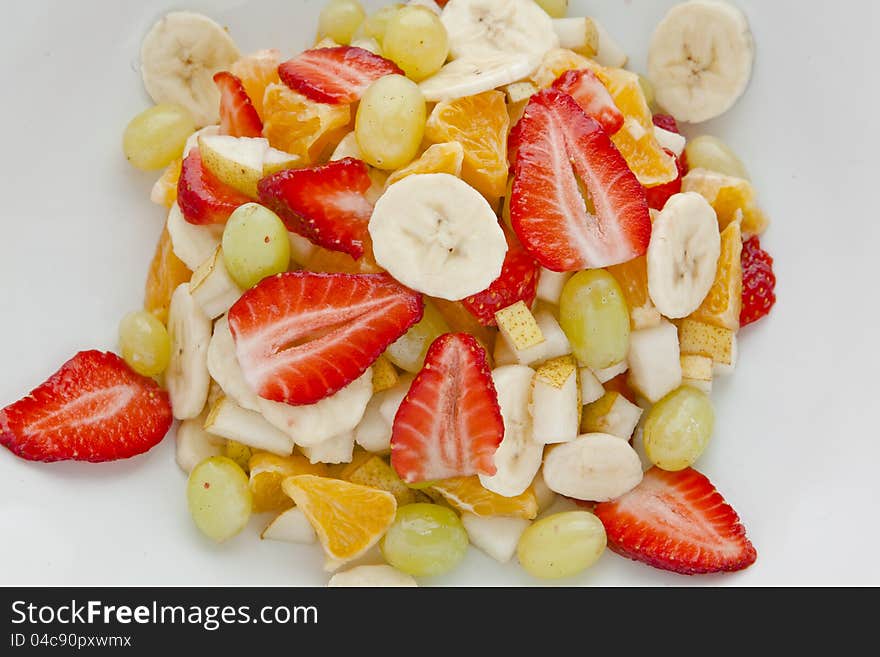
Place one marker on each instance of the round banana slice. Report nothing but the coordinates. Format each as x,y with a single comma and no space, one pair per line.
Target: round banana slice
472,76
700,59
187,377
683,255
179,57
438,235
596,466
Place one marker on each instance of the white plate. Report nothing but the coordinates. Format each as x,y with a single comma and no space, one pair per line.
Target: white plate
796,447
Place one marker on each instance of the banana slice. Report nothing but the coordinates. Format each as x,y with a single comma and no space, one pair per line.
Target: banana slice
470,76
597,467
438,235
225,370
194,444
179,57
478,28
187,376
191,243
700,59
683,255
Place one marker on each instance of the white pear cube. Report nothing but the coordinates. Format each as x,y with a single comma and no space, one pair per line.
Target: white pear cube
554,402
606,374
654,361
338,449
613,414
212,287
347,147
519,91
555,342
372,576
292,526
236,161
670,140
373,433
229,420
497,536
697,372
609,52
577,33
519,327
550,284
591,387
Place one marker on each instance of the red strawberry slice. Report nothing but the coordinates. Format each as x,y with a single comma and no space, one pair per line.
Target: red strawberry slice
302,336
336,76
324,204
518,282
574,202
759,282
677,521
449,424
666,122
95,408
238,116
202,198
592,96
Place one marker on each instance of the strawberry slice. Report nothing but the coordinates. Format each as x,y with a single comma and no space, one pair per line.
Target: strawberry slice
324,204
95,408
592,96
202,198
238,116
759,282
518,282
449,424
336,76
677,521
302,336
574,202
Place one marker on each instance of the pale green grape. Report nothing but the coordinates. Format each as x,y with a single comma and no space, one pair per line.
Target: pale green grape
556,8
416,41
255,245
677,428
376,23
408,351
594,316
340,19
648,91
390,122
156,137
425,540
708,152
219,497
561,545
144,343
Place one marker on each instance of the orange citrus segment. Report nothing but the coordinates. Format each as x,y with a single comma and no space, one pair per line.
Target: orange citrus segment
336,262
348,518
165,274
479,123
256,72
438,158
722,305
165,189
267,471
295,124
730,197
633,279
467,495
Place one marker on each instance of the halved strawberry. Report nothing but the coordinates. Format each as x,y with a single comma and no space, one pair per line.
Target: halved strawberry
449,424
759,282
592,96
336,76
238,116
658,195
302,336
324,204
574,202
677,521
518,282
202,198
95,408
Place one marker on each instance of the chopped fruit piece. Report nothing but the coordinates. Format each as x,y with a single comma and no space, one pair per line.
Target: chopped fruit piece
606,374
384,375
613,414
235,161
480,124
550,285
595,467
707,152
659,194
238,116
256,72
559,151
325,204
144,343
291,526
555,344
376,473
518,326
580,34
164,191
348,518
229,420
157,136
165,274
372,576
212,287
218,497
707,340
654,361
390,122
554,405
449,424
292,329
336,262
468,496
425,540
438,158
561,545
335,75
723,304
95,408
677,429
337,449
497,536
633,279
729,197
591,388
294,124
666,122
592,96
255,245
417,42
677,521
268,471
236,451
519,92
202,198
555,63
759,282
619,384
460,320
696,371
518,282
594,316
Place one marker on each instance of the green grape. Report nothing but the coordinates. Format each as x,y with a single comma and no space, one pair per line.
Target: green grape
594,315
156,137
376,23
408,351
556,8
707,152
416,41
561,545
144,343
648,92
390,122
340,19
425,540
677,428
219,497
255,245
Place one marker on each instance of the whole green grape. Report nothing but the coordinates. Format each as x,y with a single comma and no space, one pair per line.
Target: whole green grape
425,540
561,545
677,428
255,245
156,137
144,343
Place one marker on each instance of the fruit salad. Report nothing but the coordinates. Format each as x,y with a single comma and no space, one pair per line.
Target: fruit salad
451,276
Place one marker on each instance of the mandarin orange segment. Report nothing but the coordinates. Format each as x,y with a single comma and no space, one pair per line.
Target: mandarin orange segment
348,518
730,197
336,262
164,191
467,495
268,471
480,124
633,279
256,72
723,304
438,158
165,274
295,124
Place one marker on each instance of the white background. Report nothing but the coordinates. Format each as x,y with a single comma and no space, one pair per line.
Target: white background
796,446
